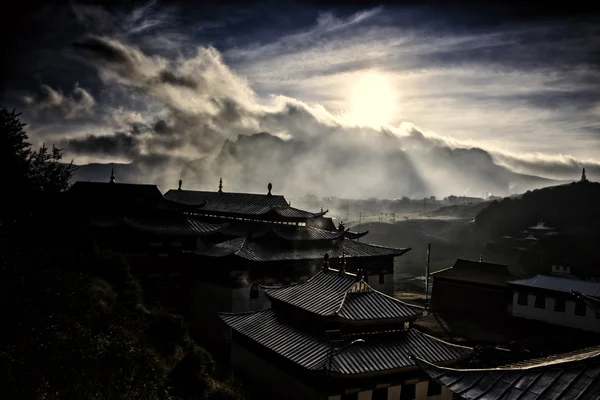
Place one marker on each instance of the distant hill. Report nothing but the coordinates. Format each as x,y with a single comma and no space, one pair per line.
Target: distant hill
574,210
373,167
570,208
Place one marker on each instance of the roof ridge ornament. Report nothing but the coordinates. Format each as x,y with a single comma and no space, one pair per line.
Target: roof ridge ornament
220,185
180,183
326,262
269,187
343,264
112,176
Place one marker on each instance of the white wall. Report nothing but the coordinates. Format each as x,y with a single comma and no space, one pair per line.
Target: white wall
589,322
386,287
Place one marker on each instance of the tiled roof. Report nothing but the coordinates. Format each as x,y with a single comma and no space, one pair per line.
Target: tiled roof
241,204
476,272
376,305
323,294
559,284
256,250
355,235
304,233
238,203
331,294
311,352
286,232
291,212
564,376
165,205
103,195
177,226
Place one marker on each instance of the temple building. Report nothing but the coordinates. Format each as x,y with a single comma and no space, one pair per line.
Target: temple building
335,337
551,299
266,242
574,375
137,219
472,287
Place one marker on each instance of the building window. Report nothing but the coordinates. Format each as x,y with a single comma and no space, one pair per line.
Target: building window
522,299
380,394
580,308
381,278
540,301
559,305
407,392
434,388
254,291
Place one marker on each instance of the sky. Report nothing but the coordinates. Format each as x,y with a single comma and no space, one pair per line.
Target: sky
149,81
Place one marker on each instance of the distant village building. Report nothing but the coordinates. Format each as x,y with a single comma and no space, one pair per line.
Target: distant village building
573,271
335,337
574,375
553,300
540,230
473,287
460,200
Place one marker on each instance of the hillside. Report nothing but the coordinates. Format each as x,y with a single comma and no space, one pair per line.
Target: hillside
572,208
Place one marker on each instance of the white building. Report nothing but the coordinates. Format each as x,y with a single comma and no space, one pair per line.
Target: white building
550,299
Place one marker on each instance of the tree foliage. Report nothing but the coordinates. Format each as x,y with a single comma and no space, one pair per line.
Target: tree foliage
75,324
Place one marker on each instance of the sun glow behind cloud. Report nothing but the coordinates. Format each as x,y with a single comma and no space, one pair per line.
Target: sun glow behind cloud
372,100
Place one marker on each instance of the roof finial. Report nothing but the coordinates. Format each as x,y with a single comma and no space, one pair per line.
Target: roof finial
269,186
343,263
341,227
321,209
583,177
359,275
180,183
112,176
326,262
220,185
290,203
481,258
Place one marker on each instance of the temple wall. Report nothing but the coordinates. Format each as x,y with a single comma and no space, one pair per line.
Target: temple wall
270,381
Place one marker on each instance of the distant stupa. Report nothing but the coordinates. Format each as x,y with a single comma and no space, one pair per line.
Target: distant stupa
583,177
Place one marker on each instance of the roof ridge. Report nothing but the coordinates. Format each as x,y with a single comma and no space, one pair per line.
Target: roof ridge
439,340
244,312
397,300
513,368
385,247
241,246
341,303
209,191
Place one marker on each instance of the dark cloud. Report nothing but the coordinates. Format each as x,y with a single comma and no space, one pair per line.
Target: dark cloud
119,145
170,78
101,48
162,128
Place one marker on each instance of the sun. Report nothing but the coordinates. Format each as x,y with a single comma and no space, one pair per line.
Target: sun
372,100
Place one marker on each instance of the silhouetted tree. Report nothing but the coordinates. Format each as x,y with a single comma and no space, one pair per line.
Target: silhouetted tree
74,323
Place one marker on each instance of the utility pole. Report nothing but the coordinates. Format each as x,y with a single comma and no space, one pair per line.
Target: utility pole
359,220
427,272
